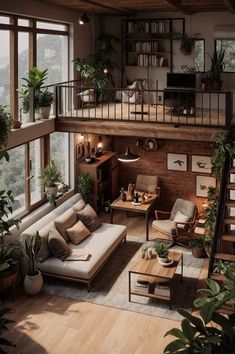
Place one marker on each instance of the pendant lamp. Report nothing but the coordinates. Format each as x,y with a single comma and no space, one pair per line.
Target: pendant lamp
128,156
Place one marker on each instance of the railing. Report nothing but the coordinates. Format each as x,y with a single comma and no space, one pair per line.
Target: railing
74,101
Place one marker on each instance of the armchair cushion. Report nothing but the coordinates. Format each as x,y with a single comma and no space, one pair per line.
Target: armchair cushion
180,217
167,226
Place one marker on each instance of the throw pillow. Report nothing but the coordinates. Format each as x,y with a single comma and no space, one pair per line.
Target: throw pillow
89,218
79,205
57,245
180,217
45,252
78,232
64,221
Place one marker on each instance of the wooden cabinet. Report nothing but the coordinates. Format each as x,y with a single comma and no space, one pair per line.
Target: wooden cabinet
104,172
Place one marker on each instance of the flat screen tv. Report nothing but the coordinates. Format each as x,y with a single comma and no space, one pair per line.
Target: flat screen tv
184,80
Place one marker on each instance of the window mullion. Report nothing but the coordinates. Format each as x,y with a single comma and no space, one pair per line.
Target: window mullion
27,177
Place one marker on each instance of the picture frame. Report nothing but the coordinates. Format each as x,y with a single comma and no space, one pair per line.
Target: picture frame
177,162
151,144
202,184
79,151
201,164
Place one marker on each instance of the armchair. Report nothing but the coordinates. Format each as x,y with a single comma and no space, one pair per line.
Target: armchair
178,223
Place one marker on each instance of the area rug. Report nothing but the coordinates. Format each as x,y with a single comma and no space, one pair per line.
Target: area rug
110,287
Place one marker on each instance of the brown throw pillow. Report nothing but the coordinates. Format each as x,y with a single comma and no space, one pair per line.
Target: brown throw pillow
45,252
79,205
57,245
89,218
64,221
78,232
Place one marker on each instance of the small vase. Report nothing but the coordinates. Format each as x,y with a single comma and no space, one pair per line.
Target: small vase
33,283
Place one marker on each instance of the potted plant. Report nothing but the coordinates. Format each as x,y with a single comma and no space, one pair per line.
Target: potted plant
33,280
187,44
50,177
5,129
162,252
45,100
85,187
197,247
217,67
107,204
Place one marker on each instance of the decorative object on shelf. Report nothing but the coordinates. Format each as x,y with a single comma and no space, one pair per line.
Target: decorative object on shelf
201,164
79,151
177,162
161,249
33,280
99,150
202,185
148,251
85,187
122,194
50,177
128,156
83,19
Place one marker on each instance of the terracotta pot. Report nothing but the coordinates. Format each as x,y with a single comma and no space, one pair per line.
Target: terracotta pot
199,252
51,191
45,112
33,283
16,124
8,279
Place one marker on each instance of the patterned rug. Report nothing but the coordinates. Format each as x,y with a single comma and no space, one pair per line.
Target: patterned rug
110,287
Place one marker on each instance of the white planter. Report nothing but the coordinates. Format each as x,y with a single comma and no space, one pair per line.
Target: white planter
33,284
51,191
45,112
25,117
162,260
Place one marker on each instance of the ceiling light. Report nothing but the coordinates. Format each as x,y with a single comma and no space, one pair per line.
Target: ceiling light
83,19
128,156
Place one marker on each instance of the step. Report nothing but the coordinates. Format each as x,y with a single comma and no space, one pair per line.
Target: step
229,220
217,277
230,204
225,257
228,237
231,186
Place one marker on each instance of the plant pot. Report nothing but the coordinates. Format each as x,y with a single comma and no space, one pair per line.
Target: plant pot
16,124
33,283
25,117
8,279
51,191
45,112
199,252
162,259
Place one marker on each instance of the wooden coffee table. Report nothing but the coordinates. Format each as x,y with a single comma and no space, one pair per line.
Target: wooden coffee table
151,272
145,208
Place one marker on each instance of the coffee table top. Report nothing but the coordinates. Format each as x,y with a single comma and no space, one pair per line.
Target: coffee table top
151,266
128,206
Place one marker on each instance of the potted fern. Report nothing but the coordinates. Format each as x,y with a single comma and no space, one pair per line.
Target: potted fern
50,177
33,281
45,100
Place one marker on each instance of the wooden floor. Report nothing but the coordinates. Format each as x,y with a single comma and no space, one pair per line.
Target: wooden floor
55,325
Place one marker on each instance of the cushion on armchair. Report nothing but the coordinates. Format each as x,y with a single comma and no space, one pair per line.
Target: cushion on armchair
167,226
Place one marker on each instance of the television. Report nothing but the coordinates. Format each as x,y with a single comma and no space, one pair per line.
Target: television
181,80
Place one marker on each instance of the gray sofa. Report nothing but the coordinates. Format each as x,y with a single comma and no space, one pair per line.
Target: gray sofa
100,244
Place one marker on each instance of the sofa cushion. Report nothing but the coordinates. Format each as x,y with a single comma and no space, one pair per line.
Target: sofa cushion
78,232
89,218
165,226
79,205
99,244
57,245
45,252
64,221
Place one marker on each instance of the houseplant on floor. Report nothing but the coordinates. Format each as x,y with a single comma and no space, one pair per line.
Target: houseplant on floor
33,281
50,178
197,247
162,252
85,187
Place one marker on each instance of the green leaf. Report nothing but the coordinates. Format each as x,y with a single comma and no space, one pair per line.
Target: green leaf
225,323
197,322
213,285
175,347
188,330
207,311
178,334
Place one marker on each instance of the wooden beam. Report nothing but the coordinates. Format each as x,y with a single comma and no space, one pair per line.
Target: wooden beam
108,7
177,5
230,5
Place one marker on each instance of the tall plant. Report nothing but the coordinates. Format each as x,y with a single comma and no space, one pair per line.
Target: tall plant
85,187
33,247
217,65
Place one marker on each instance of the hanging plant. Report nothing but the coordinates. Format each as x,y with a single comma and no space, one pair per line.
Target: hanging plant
187,44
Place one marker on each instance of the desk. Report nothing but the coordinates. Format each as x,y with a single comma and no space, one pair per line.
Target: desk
145,208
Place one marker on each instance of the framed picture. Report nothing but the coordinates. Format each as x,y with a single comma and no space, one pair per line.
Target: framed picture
202,184
201,164
177,162
79,151
151,144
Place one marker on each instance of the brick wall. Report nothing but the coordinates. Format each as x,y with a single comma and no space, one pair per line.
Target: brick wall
173,183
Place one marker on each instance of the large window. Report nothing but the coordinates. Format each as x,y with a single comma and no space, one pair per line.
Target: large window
229,58
199,50
35,43
59,146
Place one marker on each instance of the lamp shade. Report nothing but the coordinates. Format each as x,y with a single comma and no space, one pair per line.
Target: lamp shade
128,156
83,19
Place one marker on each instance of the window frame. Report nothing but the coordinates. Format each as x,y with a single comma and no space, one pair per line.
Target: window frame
204,56
215,48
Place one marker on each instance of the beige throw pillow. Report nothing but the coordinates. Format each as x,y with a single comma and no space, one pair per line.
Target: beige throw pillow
57,245
78,232
89,218
64,221
79,205
180,217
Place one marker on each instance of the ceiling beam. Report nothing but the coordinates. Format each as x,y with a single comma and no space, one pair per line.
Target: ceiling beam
108,7
230,5
177,5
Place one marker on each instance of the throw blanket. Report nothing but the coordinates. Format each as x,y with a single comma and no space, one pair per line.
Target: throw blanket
78,255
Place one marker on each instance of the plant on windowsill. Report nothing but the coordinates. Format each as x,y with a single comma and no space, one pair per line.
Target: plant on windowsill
45,99
33,280
162,252
211,332
85,187
50,178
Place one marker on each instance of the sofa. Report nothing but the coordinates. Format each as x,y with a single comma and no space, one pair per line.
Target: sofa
100,244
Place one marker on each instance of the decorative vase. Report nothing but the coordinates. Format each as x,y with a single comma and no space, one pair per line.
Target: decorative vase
51,191
33,283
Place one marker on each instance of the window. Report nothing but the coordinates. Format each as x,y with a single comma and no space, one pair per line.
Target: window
59,146
5,68
228,45
199,50
34,171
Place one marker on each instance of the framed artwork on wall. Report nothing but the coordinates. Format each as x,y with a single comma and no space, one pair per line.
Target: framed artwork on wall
177,162
202,184
201,164
79,151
